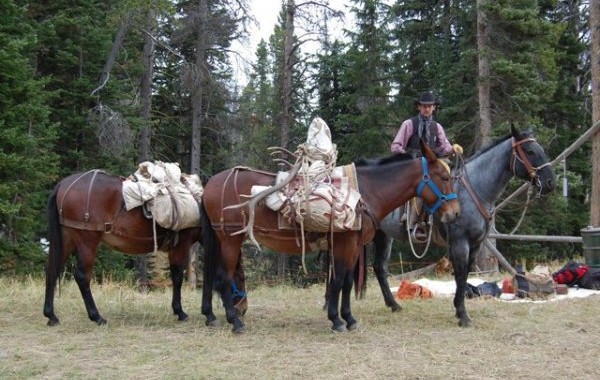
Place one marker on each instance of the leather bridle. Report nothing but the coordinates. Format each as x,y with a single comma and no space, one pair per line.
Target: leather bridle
518,154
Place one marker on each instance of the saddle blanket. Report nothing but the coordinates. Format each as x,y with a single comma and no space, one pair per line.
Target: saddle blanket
319,206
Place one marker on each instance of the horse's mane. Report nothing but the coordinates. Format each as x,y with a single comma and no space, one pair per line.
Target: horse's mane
383,160
497,142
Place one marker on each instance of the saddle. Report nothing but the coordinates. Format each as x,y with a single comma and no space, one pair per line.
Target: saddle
319,206
321,197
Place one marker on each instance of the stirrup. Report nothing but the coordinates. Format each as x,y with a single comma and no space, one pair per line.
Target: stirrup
418,237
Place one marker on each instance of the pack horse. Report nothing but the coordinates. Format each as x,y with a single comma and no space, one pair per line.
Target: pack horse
87,209
383,186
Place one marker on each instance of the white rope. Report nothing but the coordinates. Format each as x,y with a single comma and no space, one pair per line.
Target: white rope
408,225
154,234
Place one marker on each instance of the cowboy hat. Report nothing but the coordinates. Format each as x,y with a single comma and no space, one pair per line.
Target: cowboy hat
426,97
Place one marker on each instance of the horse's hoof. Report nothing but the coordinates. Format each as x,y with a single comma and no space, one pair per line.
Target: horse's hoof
212,322
53,322
352,326
465,323
239,330
182,317
144,288
101,321
396,308
339,328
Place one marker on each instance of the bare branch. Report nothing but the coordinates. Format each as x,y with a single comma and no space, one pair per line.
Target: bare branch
112,55
169,49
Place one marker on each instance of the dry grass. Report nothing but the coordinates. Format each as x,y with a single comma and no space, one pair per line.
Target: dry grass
288,338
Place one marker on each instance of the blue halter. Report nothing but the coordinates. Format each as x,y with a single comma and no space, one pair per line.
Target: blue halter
426,181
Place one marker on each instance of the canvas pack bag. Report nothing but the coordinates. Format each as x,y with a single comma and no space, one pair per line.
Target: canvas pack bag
537,284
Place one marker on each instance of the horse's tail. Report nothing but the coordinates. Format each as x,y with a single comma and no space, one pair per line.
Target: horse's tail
55,252
210,243
360,274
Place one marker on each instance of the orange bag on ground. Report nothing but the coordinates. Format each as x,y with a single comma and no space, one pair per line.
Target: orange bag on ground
409,290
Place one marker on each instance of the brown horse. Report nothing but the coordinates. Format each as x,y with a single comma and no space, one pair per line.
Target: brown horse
383,186
86,209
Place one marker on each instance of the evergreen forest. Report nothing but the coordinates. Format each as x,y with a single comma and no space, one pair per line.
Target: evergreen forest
89,84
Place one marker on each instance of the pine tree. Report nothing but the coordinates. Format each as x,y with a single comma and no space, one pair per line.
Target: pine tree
257,107
366,86
27,163
74,42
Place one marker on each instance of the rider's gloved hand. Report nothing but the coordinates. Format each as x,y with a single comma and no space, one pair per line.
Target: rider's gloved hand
457,149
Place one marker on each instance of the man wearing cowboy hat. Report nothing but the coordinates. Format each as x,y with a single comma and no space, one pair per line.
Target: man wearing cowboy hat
424,127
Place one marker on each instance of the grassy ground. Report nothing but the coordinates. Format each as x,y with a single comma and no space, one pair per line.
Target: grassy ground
289,338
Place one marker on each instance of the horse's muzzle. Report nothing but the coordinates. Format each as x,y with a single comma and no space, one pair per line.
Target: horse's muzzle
546,181
451,215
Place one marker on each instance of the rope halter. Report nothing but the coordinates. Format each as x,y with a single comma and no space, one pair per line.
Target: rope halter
426,181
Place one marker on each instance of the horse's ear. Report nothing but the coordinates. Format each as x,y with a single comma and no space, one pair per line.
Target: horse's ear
514,131
426,151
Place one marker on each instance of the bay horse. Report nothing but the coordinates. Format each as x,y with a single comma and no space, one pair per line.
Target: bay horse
479,184
86,209
383,187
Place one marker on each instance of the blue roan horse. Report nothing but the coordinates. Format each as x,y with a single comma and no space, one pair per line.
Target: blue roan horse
479,183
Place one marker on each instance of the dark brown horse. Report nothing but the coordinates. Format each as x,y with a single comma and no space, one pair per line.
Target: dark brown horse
383,187
86,209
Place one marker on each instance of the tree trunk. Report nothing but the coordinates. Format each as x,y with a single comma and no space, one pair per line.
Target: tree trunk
485,260
114,50
483,83
145,114
197,86
286,112
288,53
146,88
595,57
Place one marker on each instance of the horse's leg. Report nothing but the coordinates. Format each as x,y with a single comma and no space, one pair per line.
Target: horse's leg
459,255
230,259
53,269
216,279
211,266
59,249
240,297
333,297
86,255
346,311
383,250
178,258
207,310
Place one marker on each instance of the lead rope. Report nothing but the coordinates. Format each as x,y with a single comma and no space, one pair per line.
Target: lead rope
529,191
408,224
154,234
154,238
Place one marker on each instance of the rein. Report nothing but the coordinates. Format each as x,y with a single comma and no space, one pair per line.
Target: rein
426,181
517,154
463,178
